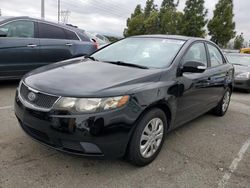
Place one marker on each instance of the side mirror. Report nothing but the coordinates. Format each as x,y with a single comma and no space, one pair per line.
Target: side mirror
3,34
193,67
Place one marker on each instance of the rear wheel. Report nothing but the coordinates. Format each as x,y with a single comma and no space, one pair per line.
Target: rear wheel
222,107
148,138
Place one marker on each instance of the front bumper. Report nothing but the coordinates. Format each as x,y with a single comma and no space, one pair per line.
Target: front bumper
102,135
242,84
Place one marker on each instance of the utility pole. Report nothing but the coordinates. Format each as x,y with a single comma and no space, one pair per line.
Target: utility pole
42,9
0,12
65,16
59,10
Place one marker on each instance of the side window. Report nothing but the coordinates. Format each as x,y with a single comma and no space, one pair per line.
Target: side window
215,56
197,52
51,32
71,35
83,36
20,29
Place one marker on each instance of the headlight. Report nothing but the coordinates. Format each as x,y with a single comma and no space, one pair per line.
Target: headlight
90,105
245,75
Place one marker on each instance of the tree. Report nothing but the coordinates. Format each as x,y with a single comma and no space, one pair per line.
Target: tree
239,41
170,20
221,26
194,19
150,7
169,4
151,24
135,24
137,11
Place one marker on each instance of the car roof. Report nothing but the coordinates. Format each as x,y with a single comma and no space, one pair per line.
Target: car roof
178,37
44,21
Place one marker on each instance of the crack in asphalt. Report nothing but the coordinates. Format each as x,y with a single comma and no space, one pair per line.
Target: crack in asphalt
196,160
20,161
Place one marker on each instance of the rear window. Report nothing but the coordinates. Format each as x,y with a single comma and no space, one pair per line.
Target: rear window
84,37
51,32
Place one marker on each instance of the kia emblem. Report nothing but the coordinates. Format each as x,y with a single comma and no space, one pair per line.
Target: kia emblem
31,96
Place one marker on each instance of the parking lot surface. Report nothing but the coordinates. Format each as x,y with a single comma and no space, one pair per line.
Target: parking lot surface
207,152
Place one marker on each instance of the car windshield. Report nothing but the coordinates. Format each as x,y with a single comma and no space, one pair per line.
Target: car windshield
239,59
147,52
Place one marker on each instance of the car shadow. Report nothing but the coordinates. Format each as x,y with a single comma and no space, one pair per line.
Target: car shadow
8,83
240,91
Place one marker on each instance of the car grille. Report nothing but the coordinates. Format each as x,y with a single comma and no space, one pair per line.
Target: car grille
39,100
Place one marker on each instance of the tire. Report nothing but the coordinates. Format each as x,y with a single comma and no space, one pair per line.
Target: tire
220,109
153,145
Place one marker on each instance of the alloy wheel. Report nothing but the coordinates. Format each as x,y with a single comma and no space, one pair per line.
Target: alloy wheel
226,101
151,137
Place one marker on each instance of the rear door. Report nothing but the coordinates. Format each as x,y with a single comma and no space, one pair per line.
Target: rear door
54,44
19,49
218,73
80,43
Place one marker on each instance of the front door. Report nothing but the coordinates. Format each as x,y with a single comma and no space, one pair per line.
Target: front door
194,87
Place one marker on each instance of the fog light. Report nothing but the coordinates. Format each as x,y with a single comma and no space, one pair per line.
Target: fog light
90,148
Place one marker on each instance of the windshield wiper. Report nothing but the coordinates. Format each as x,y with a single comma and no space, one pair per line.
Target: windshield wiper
122,63
91,57
239,64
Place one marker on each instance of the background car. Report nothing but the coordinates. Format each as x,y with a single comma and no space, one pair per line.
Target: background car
241,64
101,37
245,50
99,42
27,43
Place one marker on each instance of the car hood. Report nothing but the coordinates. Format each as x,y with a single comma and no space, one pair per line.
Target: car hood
241,69
87,78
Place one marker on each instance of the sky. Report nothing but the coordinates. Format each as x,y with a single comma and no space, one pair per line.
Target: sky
109,16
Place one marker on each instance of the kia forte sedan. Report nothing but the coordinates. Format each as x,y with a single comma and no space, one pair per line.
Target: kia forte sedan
241,64
124,98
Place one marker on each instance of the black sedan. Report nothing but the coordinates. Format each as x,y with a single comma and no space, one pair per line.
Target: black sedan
27,43
124,98
241,64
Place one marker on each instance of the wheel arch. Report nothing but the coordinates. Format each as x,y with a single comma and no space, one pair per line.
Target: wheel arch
164,106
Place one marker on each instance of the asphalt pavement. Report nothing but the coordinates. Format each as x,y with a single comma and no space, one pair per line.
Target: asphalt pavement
207,152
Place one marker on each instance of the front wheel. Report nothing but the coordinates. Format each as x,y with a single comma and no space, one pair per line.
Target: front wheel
148,138
222,107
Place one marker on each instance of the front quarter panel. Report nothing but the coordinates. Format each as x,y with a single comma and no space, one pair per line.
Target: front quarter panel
158,93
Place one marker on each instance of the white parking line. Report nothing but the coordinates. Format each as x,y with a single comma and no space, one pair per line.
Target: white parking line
6,107
234,164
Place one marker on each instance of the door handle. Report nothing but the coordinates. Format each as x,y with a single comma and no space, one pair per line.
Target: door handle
68,44
31,45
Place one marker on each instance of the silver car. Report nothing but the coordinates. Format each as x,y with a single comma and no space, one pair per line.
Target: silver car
241,64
